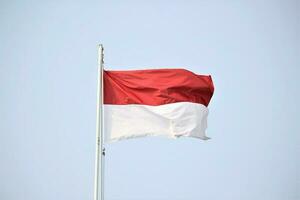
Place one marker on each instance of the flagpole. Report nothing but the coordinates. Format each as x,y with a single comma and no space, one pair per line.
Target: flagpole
100,151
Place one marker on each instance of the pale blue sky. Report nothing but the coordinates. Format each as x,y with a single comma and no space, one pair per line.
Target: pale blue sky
48,98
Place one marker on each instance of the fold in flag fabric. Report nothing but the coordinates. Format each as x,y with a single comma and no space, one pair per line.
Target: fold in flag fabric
160,102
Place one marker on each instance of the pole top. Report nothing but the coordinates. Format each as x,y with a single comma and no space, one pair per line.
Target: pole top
100,55
100,46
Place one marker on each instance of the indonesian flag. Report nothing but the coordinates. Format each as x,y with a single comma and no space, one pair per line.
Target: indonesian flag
156,102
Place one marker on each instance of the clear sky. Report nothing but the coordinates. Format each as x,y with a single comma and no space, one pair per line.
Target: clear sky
48,65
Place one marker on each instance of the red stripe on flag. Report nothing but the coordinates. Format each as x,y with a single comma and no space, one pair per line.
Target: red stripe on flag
156,87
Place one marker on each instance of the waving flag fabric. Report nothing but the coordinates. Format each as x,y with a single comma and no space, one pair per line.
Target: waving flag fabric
162,102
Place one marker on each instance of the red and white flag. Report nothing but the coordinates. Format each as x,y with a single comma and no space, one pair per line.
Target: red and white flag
160,102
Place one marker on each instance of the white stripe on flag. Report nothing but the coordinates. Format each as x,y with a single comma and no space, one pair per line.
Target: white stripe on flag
171,120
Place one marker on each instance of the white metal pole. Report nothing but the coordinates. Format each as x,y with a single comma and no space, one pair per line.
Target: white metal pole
99,161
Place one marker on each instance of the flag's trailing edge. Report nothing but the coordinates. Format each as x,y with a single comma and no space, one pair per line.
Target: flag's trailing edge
162,102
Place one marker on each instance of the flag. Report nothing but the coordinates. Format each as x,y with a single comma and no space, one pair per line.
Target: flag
155,102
